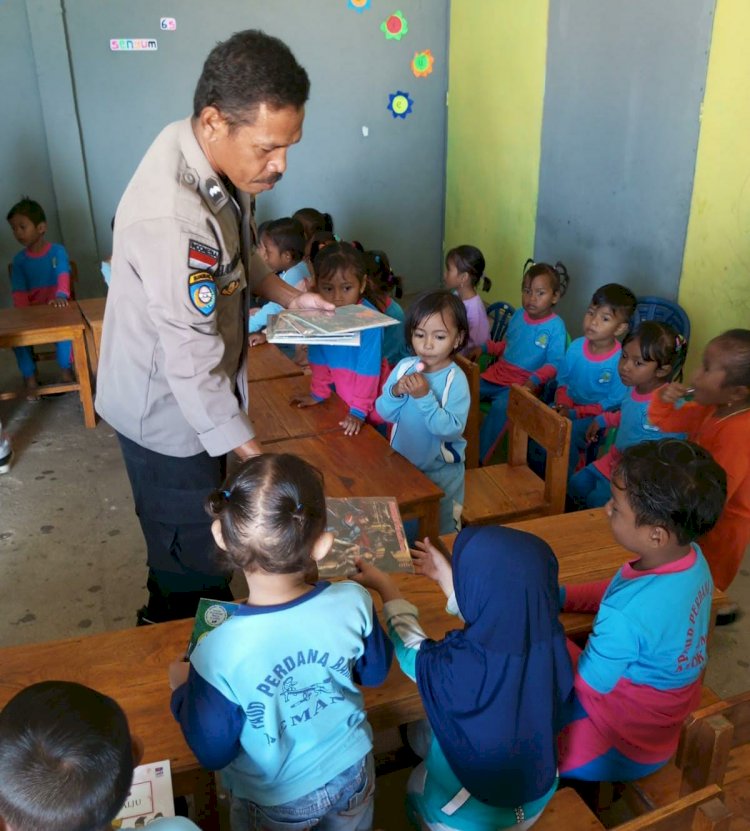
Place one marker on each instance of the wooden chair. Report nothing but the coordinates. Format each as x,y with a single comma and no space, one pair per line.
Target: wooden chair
566,811
509,492
714,749
471,433
699,811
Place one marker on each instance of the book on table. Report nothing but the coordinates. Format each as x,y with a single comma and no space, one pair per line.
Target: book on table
368,526
339,328
150,796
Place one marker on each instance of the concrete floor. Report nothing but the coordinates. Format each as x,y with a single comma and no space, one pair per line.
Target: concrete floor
72,557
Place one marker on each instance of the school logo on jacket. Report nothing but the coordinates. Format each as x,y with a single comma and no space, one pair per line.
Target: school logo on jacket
542,340
605,377
202,292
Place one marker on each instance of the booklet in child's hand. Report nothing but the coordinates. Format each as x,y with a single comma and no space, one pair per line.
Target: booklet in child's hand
368,527
210,614
150,796
340,327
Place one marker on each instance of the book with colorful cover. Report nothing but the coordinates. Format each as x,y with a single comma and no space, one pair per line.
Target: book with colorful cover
340,327
209,615
369,527
150,796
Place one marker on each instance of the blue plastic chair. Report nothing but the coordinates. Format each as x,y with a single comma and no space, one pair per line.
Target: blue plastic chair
665,311
499,314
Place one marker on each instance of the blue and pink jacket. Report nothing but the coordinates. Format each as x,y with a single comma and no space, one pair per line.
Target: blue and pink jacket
38,278
354,373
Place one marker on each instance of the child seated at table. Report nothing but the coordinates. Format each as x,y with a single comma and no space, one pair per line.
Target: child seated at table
651,357
385,287
588,380
66,761
40,273
639,676
354,373
271,695
718,418
496,692
282,246
426,399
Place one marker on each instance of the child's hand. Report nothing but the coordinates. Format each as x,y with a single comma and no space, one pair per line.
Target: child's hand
311,300
304,401
59,302
530,386
178,673
592,432
351,424
415,385
671,393
257,338
561,409
473,354
431,562
373,578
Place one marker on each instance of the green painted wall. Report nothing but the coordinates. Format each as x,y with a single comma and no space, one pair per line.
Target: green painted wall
715,285
496,91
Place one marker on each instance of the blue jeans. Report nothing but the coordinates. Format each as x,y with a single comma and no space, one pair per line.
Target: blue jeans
27,365
589,488
495,420
343,804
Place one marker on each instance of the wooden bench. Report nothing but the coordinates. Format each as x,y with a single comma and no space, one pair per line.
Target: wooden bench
471,433
700,811
34,325
266,362
497,494
566,811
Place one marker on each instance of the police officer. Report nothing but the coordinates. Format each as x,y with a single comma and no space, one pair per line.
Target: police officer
172,379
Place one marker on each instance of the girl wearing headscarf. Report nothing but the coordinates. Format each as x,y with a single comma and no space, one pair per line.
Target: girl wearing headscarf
496,692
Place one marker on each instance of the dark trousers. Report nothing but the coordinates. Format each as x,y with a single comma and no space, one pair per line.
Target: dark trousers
169,494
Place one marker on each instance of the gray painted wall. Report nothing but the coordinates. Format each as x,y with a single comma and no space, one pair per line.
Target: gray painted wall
386,190
623,92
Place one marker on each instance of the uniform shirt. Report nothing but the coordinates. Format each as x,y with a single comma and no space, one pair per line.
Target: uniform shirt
633,427
272,693
353,372
639,675
531,349
479,324
39,278
172,372
588,383
295,277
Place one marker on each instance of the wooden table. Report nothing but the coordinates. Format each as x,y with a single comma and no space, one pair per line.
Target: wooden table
266,362
93,313
366,465
34,325
275,418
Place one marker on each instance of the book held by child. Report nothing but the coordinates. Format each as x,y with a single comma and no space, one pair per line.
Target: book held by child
340,327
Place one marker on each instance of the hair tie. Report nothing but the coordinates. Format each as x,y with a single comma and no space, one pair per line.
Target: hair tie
226,494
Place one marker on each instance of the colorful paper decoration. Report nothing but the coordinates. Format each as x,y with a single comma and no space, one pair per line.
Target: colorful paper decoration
167,24
358,5
133,44
421,63
395,27
400,104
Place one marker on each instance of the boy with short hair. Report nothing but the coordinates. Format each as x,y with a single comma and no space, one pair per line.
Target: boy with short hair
588,381
66,761
40,273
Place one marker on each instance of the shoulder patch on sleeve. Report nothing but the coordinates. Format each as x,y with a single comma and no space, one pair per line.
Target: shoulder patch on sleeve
202,256
202,292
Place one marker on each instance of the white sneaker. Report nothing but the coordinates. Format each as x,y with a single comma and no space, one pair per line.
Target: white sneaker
5,463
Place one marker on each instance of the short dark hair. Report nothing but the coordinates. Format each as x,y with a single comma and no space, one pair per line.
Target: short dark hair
662,343
735,343
272,510
313,220
381,275
437,302
287,235
621,300
66,759
557,273
249,69
30,209
675,484
469,259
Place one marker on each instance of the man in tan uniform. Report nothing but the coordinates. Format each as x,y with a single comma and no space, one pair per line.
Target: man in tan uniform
172,379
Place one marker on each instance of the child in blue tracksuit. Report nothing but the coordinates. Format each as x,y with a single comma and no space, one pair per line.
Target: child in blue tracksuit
385,287
271,696
426,399
282,246
588,381
651,357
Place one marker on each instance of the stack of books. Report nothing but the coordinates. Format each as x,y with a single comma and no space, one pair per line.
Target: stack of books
338,328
